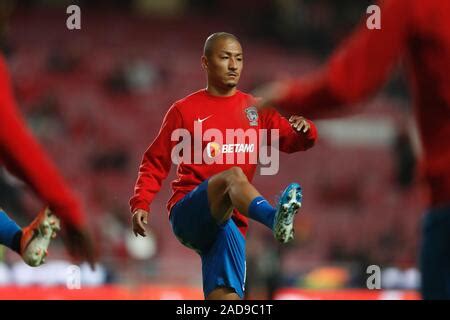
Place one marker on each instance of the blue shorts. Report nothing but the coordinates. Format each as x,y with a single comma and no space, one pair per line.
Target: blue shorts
221,247
435,254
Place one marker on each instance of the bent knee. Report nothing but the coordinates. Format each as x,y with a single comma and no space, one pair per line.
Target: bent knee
236,174
228,178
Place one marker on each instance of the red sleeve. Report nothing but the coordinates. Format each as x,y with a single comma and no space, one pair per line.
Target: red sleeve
156,162
290,140
24,157
356,69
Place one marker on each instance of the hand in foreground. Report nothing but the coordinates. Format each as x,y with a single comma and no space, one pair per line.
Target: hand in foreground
79,244
139,220
269,93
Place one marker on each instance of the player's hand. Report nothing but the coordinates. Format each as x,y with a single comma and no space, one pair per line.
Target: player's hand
140,220
79,244
299,123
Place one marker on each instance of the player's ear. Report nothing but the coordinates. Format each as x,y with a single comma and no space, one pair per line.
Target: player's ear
204,63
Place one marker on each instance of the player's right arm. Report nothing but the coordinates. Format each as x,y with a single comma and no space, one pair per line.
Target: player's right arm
354,71
154,168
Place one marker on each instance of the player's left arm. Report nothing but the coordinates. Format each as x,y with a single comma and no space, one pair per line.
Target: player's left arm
24,157
295,134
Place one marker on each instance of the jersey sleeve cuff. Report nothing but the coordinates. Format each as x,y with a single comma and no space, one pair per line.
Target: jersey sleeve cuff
143,205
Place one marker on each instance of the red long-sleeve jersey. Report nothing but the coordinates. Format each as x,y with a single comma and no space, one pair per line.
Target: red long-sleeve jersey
24,157
417,31
215,115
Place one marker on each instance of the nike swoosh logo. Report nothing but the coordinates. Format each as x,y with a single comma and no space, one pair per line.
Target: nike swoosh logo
260,201
201,120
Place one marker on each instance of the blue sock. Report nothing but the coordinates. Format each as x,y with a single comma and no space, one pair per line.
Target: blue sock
261,211
10,232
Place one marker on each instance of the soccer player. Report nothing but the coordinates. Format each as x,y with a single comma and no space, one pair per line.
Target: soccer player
211,202
22,156
419,33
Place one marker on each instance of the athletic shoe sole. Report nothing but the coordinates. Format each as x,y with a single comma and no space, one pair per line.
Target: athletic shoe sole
37,236
288,205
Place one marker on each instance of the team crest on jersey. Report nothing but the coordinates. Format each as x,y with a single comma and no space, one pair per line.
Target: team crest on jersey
252,115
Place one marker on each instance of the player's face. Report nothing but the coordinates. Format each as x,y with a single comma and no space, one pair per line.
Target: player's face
224,65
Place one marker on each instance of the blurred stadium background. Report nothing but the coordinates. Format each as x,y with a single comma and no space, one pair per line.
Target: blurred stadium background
95,98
